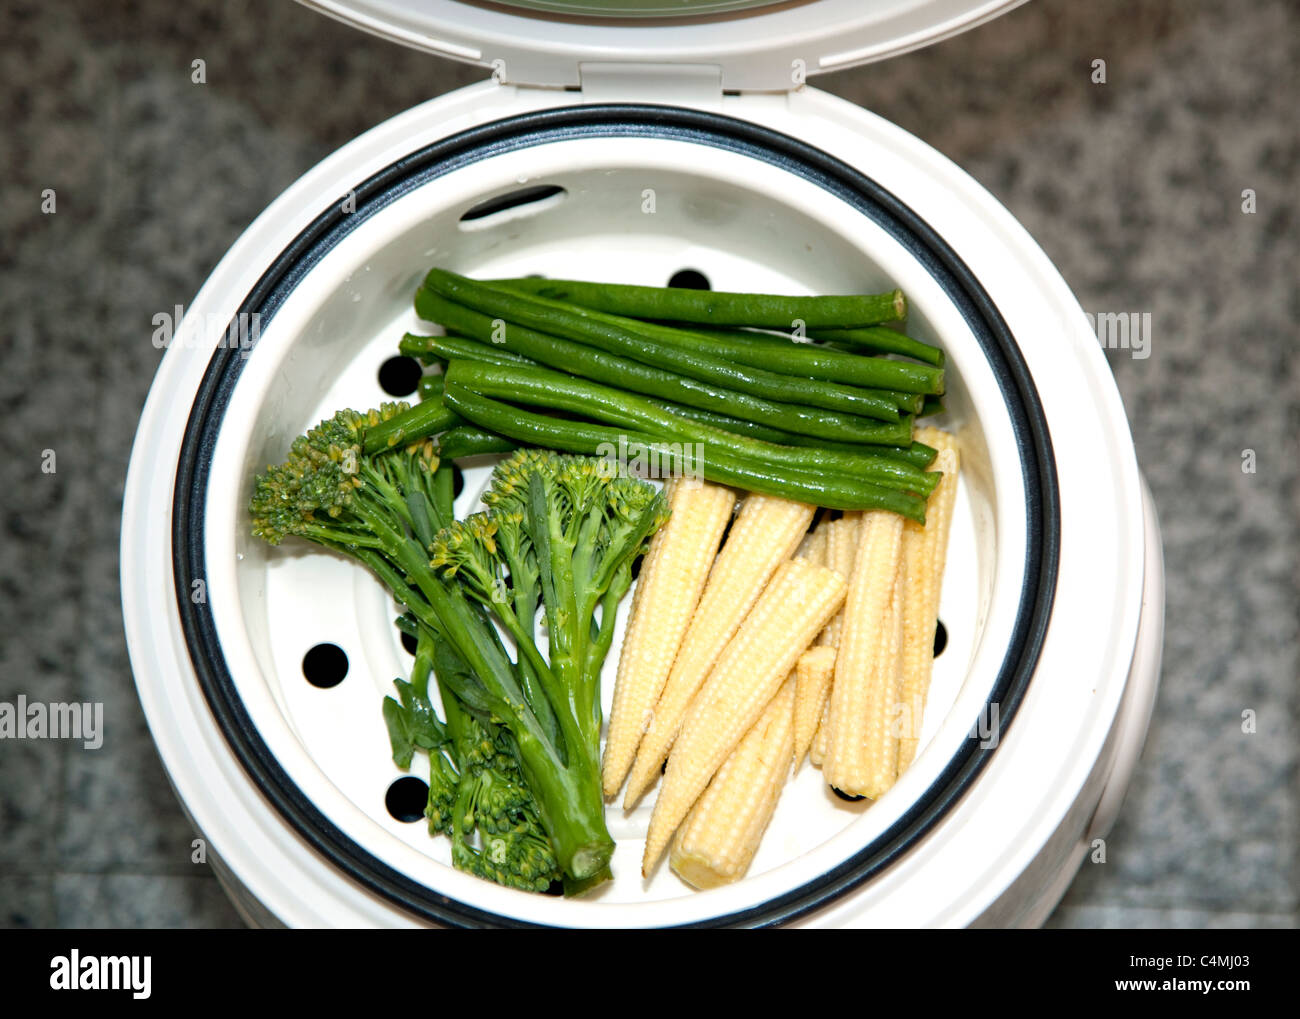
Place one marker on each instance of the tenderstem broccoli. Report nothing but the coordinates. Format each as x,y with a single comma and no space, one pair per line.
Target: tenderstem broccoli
478,796
560,534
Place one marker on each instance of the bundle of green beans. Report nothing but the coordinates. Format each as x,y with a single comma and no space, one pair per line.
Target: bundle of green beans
586,367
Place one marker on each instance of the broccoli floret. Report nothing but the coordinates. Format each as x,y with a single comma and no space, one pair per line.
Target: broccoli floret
560,533
477,794
564,531
495,808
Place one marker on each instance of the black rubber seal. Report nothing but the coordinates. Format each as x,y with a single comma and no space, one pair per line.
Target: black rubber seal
615,121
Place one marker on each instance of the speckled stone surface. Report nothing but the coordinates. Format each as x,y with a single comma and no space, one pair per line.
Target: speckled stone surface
1133,187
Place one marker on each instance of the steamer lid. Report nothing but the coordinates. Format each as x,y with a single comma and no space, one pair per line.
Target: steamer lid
749,45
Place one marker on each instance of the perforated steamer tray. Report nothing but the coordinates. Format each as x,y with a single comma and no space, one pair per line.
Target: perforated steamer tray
753,210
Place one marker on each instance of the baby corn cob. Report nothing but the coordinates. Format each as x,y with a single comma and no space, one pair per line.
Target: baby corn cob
841,548
862,738
925,551
672,577
843,536
716,842
817,749
792,610
813,677
813,546
767,530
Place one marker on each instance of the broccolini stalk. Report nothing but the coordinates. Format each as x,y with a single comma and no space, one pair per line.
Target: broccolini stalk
477,794
561,531
382,507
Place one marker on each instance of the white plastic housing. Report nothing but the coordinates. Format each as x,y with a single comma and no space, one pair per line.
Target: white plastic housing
747,225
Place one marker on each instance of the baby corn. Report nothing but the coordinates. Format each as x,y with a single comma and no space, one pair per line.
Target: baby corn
717,841
924,556
813,546
817,749
841,548
792,610
813,677
840,551
766,531
672,577
862,739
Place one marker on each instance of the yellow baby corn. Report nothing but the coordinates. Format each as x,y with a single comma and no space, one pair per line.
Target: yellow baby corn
924,557
841,548
717,841
862,738
813,677
792,610
668,588
817,749
766,531
813,546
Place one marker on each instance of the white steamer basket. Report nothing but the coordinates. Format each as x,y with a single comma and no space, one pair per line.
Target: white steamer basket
1052,601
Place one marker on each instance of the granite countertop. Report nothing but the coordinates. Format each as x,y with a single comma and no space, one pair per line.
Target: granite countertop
1134,187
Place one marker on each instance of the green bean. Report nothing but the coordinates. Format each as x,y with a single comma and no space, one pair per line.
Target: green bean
442,349
788,358
717,308
909,403
828,489
876,340
430,387
544,388
561,320
918,454
933,405
466,440
611,369
879,339
429,417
